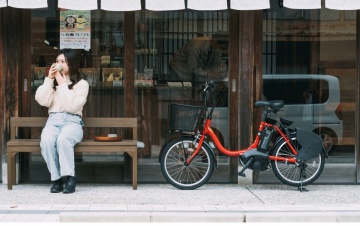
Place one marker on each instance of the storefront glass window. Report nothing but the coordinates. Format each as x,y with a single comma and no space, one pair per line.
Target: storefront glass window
158,37
176,47
98,38
309,61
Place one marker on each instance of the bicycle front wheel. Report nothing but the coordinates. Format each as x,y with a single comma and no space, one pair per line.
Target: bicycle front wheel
296,175
180,175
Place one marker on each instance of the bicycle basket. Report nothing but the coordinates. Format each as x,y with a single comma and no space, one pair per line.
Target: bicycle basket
184,117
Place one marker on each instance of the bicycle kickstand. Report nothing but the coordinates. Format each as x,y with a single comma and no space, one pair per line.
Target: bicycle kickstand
241,173
302,175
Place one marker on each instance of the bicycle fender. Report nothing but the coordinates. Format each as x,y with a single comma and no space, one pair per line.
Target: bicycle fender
212,152
311,144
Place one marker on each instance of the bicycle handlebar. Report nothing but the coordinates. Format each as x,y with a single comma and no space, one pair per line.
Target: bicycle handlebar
207,88
207,85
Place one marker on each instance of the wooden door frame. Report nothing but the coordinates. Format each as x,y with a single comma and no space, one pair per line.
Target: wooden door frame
15,66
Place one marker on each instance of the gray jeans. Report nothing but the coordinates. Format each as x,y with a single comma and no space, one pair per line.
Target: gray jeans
58,138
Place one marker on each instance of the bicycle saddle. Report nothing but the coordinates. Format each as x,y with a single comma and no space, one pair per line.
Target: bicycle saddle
274,104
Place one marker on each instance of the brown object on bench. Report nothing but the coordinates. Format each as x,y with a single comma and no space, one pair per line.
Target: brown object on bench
15,145
107,138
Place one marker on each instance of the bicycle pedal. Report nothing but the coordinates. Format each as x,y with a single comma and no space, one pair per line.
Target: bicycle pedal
242,174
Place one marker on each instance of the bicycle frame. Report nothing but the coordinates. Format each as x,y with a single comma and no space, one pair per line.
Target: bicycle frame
236,153
207,131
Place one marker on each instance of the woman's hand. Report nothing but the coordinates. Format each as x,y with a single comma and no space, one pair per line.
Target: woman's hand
52,71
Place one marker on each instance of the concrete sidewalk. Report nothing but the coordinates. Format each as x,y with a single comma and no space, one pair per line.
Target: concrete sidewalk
164,203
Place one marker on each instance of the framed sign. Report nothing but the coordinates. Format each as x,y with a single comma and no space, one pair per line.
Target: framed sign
75,29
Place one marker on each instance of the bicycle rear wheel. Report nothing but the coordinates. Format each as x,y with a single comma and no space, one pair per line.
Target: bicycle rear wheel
291,174
186,177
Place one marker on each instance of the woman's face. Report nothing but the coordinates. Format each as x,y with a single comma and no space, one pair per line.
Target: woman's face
61,60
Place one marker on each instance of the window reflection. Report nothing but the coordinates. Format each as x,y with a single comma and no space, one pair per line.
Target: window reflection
159,38
185,39
309,61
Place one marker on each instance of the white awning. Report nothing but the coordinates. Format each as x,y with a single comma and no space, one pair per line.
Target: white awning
121,5
343,4
249,4
303,4
207,4
161,5
167,5
78,5
26,4
3,3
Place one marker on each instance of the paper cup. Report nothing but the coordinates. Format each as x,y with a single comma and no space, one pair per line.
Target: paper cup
58,67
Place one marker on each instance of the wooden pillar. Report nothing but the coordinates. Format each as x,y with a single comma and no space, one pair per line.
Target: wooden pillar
10,71
244,79
246,76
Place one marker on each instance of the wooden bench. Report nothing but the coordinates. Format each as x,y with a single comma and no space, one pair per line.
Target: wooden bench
16,145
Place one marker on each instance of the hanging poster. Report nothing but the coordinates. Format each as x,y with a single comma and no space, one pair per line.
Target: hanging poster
75,29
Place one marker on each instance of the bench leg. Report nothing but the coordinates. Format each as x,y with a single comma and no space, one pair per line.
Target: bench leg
11,169
134,169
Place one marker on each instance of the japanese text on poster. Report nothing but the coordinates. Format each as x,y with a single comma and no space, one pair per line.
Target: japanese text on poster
75,28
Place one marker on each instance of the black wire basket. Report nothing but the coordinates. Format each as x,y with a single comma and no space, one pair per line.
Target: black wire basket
185,117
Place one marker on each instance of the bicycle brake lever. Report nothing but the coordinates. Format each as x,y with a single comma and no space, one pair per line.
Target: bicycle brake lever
201,89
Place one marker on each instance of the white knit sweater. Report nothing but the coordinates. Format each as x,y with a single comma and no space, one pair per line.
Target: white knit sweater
63,99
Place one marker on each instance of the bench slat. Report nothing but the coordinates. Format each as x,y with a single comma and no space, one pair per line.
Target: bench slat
36,142
88,122
28,121
110,122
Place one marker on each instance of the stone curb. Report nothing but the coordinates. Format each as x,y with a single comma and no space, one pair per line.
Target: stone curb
278,216
327,216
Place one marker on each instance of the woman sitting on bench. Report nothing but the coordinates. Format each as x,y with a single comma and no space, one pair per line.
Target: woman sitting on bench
65,93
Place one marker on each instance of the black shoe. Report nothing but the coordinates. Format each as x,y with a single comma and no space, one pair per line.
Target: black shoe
70,185
57,186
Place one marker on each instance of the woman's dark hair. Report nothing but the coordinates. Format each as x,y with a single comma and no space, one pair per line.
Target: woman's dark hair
72,62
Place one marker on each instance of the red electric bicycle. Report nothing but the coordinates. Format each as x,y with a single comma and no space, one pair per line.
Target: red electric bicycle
296,156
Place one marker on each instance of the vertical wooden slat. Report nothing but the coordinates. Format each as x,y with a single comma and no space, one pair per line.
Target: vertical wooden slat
25,74
25,70
257,69
129,44
2,119
234,100
357,99
246,38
